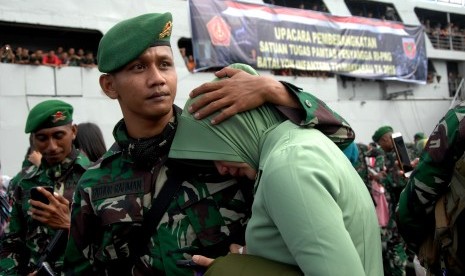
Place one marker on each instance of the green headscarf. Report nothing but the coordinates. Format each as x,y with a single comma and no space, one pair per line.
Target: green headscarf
236,139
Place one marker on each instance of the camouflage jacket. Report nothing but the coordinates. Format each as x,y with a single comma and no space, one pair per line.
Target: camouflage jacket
318,115
27,238
25,171
370,161
393,182
431,177
205,215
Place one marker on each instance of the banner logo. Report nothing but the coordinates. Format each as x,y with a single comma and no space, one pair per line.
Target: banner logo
410,48
219,31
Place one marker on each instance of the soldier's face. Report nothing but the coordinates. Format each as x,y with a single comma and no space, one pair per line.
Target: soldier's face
236,169
385,142
146,87
55,143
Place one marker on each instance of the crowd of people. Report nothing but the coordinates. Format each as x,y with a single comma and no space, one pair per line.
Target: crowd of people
54,57
449,36
250,175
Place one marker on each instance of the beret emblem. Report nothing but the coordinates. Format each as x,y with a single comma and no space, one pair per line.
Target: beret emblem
166,30
58,116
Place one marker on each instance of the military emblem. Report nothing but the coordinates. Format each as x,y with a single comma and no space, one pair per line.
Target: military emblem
410,48
166,30
58,116
219,31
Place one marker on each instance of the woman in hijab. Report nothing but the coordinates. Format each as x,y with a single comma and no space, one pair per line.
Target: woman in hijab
311,209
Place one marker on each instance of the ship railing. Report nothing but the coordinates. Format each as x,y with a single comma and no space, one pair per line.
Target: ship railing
34,80
449,42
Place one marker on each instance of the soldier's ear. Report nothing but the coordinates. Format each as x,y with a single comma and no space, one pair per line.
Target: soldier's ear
74,129
107,85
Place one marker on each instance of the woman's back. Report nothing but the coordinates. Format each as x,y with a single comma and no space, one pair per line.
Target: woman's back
311,207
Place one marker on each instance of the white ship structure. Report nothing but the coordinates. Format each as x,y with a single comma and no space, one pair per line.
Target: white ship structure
409,103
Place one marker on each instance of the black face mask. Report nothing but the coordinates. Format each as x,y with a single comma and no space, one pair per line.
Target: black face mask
145,152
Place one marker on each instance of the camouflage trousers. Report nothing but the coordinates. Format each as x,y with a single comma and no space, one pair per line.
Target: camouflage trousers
394,253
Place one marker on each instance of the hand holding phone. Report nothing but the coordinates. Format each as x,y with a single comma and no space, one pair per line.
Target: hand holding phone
189,264
39,196
198,269
401,152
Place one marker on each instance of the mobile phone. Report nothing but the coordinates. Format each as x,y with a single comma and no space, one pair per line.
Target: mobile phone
37,195
189,264
401,153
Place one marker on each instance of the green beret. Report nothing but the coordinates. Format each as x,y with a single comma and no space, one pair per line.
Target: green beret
380,132
48,114
128,39
419,135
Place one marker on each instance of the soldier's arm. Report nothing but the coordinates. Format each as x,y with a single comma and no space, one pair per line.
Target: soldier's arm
12,245
316,114
79,247
242,91
431,176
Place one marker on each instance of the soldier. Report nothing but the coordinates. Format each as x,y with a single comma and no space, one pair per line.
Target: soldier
394,254
418,136
33,224
5,207
370,162
419,139
138,212
440,162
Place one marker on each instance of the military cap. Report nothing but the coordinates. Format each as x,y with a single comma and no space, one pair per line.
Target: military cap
128,39
48,114
419,135
380,132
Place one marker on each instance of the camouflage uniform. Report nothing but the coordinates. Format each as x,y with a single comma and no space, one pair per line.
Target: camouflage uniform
5,210
368,158
14,182
206,214
395,256
318,115
27,238
444,149
411,150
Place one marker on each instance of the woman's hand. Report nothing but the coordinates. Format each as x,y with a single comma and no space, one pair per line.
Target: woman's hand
202,260
238,249
205,261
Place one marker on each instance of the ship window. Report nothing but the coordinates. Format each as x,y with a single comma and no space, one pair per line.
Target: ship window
444,30
453,77
48,37
373,9
430,78
315,5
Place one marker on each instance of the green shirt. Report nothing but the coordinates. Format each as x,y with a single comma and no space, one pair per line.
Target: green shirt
311,208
